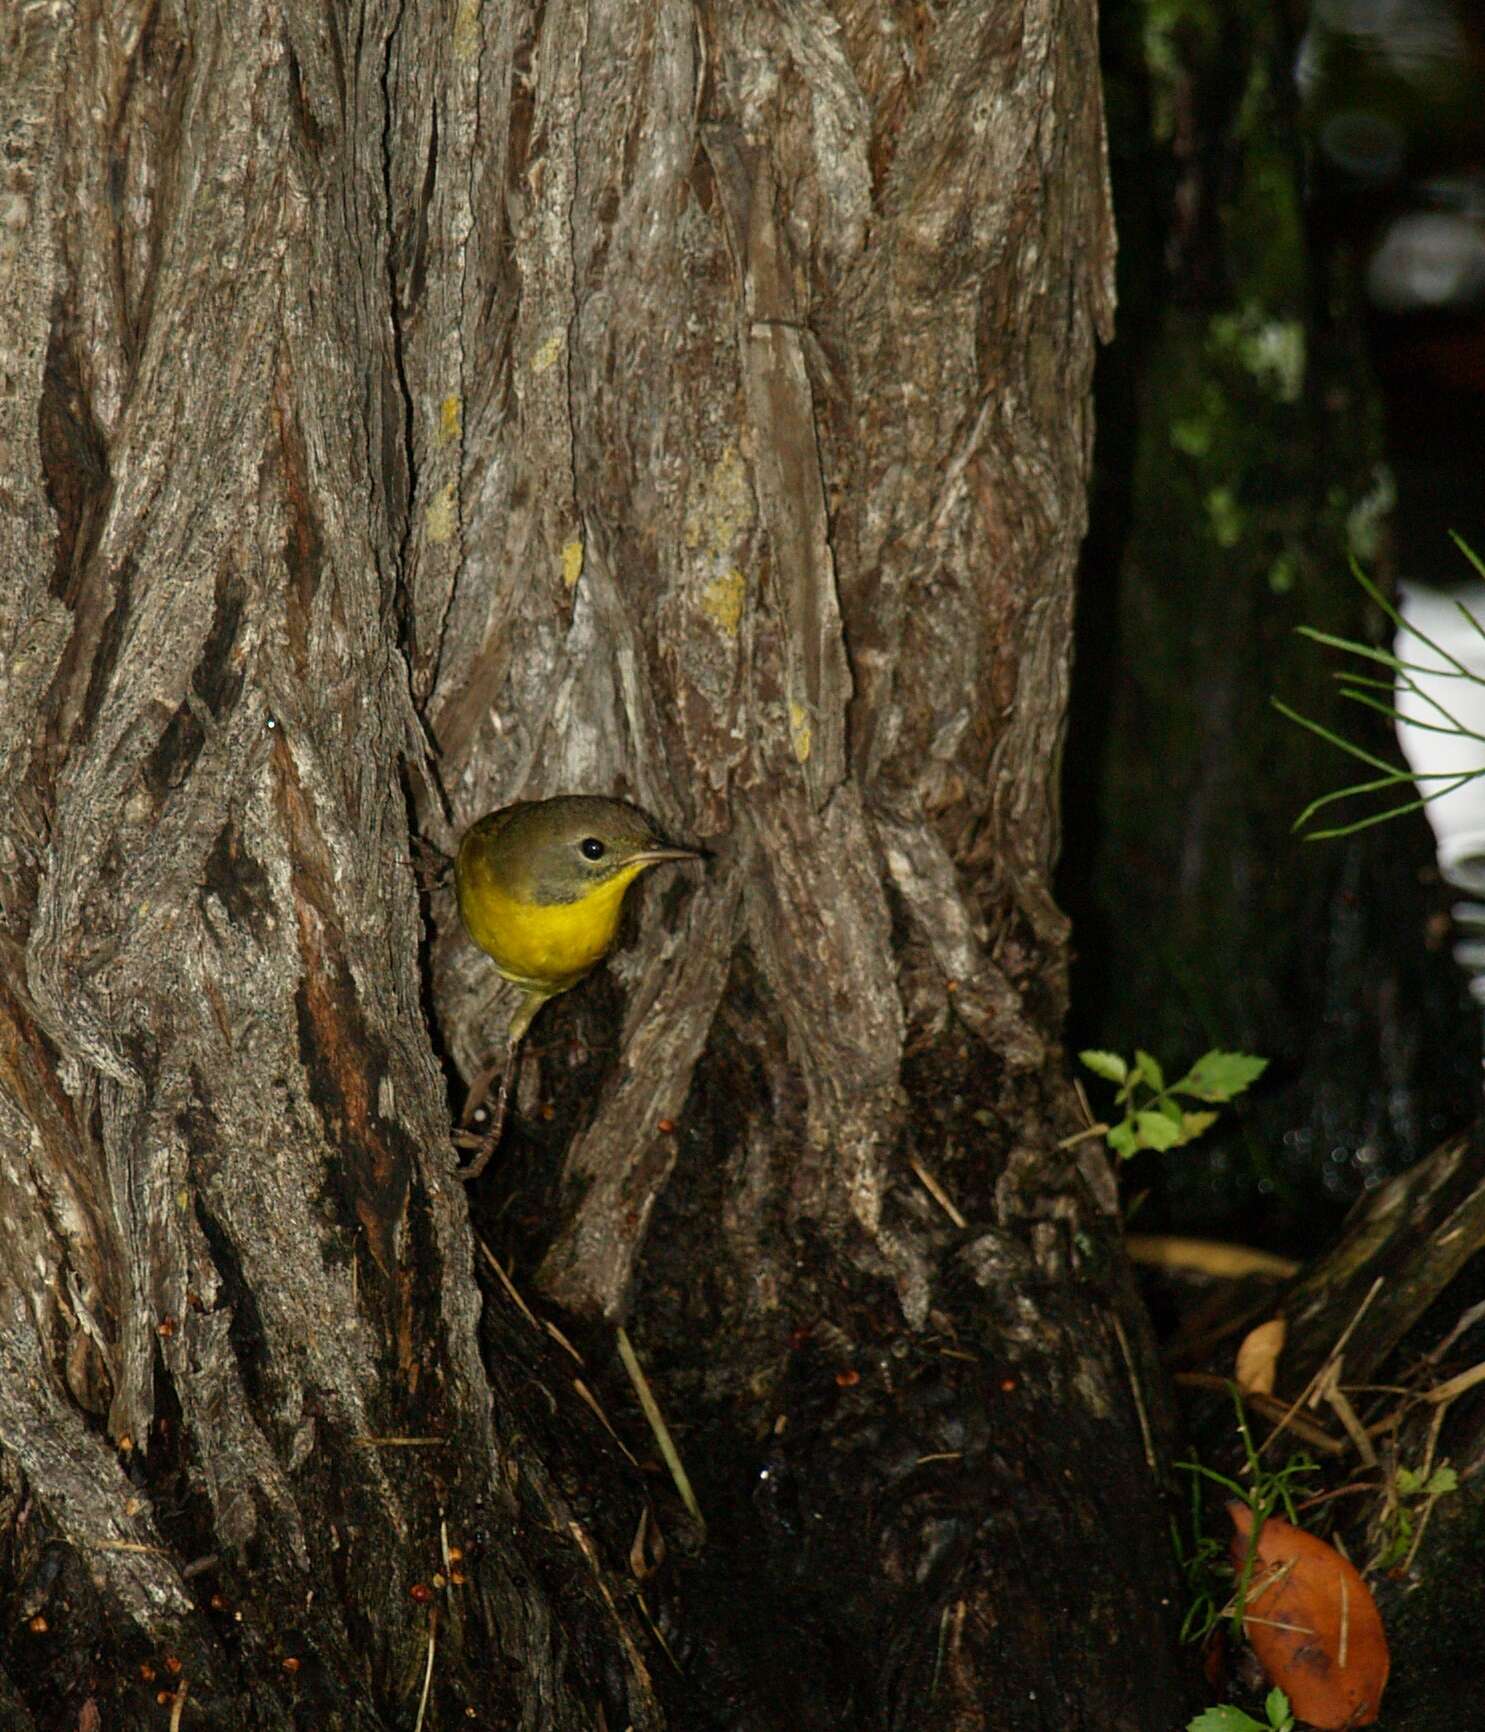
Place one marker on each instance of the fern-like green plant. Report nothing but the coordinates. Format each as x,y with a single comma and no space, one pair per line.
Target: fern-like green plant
1380,695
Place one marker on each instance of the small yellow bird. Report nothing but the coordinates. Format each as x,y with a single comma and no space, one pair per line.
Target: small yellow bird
541,886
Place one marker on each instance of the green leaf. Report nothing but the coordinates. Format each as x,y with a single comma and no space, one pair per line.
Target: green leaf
1171,1109
1193,1124
1218,1076
1441,1480
1392,1553
1224,1719
1155,1131
1121,1139
1409,1482
1108,1065
1276,1706
1149,1069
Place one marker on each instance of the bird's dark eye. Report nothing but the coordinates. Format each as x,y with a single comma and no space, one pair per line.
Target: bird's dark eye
592,848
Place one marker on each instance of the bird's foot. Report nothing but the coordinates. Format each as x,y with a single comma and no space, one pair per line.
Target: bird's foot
485,1139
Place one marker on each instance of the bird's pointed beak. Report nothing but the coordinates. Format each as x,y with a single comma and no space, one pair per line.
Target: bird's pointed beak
653,856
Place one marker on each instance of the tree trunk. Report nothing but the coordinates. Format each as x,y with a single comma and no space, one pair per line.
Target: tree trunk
408,410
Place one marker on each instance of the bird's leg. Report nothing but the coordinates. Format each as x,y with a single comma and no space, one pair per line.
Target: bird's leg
486,1145
519,1023
489,1142
474,1099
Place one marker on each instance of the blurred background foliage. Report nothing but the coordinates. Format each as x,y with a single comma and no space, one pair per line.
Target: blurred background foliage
1290,385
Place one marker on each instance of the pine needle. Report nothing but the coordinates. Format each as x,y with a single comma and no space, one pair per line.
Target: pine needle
663,1438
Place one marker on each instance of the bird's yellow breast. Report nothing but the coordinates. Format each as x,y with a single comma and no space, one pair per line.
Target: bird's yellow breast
545,947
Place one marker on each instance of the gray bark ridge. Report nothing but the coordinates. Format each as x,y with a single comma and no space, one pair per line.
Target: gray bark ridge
237,1306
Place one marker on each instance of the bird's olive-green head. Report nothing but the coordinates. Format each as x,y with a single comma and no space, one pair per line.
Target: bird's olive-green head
541,884
555,851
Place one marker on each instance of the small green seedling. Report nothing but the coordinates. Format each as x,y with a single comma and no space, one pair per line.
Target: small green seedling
1228,1719
1155,1115
1203,1559
1413,1496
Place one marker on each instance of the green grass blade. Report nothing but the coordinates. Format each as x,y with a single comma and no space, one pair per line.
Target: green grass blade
1382,817
1332,738
1412,628
1351,791
1479,629
1388,660
1426,695
1454,729
1468,552
1385,602
1349,644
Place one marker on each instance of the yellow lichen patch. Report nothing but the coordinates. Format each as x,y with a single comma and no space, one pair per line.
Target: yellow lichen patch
450,419
799,731
443,513
572,563
724,507
467,29
722,601
547,353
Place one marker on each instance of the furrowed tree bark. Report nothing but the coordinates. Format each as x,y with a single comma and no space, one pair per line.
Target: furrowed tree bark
409,409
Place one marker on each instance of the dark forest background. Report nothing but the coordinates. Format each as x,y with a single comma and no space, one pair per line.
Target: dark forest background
1262,421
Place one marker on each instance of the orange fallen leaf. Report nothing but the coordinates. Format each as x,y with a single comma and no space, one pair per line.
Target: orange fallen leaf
1258,1357
1313,1624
